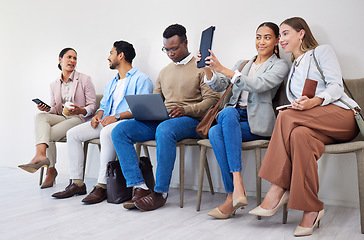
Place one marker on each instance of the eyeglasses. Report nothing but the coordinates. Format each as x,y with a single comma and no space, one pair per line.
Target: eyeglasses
174,49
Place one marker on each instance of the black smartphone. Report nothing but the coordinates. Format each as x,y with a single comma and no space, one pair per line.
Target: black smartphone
38,101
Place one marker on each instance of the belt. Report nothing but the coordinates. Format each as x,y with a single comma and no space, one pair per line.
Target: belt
237,105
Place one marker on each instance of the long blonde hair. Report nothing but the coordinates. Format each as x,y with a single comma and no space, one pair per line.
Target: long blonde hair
308,41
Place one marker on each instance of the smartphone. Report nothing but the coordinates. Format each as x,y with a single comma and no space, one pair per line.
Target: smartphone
283,107
38,101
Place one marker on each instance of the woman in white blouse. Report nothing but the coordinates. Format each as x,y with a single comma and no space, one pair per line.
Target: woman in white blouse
302,130
249,114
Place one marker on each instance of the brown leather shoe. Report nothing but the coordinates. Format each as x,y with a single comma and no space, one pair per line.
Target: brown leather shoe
151,202
97,195
138,193
50,179
71,190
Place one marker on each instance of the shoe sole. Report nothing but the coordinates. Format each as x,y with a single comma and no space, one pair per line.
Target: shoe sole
46,185
239,205
30,169
93,202
76,194
146,210
129,205
141,209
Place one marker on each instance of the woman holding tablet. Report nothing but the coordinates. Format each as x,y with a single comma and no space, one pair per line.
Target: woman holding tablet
72,89
301,132
249,114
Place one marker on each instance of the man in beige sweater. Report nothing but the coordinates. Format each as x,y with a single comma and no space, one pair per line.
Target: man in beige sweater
187,98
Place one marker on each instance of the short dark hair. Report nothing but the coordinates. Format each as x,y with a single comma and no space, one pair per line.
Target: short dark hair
62,53
126,48
175,29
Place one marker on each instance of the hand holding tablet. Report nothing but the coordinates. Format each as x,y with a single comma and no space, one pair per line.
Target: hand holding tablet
205,45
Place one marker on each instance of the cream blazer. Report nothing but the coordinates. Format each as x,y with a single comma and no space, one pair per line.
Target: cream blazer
83,94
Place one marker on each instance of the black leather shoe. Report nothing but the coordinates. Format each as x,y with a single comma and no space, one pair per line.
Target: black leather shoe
71,190
151,202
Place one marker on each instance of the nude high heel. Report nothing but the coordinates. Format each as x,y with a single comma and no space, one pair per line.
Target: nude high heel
303,231
32,168
216,213
50,179
240,201
259,211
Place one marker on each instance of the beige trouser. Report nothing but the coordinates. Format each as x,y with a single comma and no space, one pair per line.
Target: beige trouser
50,128
298,141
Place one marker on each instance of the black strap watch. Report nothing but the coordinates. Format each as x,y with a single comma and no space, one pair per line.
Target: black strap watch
117,116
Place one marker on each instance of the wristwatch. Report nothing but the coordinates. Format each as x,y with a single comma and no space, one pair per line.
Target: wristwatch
117,116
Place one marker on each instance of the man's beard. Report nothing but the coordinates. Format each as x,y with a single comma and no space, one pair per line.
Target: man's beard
114,65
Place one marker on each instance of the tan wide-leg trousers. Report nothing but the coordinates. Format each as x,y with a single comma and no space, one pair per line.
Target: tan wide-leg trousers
50,128
297,142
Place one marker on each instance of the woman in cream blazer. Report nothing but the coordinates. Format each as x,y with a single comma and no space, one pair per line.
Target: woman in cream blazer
51,125
249,115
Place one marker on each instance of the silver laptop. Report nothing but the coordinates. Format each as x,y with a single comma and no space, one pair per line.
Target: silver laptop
147,107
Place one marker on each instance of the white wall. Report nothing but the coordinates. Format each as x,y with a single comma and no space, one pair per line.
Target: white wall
33,32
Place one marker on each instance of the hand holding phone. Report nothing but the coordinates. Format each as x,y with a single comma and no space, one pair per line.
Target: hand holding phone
42,104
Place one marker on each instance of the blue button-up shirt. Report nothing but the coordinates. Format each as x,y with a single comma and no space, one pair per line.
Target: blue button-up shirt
136,82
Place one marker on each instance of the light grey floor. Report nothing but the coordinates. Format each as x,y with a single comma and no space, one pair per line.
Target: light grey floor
27,212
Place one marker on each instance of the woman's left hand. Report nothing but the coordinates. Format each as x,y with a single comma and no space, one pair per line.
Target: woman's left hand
207,70
305,103
214,63
76,110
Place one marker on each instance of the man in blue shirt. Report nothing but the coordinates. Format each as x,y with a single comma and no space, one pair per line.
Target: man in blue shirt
113,109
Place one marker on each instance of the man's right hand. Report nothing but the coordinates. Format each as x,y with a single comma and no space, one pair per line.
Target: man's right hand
95,121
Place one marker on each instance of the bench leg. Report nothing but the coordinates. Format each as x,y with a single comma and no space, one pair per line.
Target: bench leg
285,213
258,180
360,161
138,149
203,161
207,168
85,149
181,174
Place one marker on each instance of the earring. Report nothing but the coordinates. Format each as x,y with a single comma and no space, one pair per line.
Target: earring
301,46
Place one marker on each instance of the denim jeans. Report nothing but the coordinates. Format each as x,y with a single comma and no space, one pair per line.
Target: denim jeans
166,134
226,137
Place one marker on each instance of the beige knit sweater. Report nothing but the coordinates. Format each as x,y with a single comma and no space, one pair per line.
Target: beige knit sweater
183,86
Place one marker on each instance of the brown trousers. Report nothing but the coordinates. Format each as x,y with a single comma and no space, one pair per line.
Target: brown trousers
297,142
